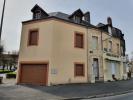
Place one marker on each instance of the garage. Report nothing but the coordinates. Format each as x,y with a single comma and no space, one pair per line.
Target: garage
36,74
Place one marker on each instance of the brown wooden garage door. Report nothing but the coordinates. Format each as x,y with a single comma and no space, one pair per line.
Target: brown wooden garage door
35,74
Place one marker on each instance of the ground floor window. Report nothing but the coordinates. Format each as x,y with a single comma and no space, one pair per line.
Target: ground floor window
79,69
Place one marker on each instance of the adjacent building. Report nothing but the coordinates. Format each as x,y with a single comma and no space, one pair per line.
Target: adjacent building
57,48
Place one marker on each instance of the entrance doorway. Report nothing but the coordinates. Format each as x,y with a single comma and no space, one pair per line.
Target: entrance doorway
96,68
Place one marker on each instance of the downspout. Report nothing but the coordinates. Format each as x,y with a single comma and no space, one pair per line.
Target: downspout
101,40
87,54
102,52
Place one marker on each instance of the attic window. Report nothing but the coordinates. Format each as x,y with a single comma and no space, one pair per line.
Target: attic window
37,14
77,19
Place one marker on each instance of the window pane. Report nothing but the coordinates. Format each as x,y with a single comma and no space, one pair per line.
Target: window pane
110,46
77,19
118,48
121,50
94,42
37,14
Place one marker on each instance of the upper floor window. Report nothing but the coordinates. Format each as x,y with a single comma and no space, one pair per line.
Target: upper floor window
94,42
33,37
122,50
79,70
110,46
117,48
79,40
37,14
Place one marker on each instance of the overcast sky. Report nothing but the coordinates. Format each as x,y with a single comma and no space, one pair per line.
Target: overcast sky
19,10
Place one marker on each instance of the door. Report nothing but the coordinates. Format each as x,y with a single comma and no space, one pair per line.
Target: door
35,74
113,68
96,68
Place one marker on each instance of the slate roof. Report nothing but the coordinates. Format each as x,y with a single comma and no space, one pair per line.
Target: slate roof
77,12
69,18
66,17
59,15
115,31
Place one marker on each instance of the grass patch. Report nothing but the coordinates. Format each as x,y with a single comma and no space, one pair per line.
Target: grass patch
12,73
4,71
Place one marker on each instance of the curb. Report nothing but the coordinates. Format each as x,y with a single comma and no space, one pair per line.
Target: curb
100,96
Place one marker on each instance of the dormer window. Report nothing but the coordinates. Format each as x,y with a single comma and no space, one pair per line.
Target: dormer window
77,16
77,19
37,14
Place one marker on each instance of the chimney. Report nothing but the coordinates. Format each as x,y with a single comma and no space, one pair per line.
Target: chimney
87,17
109,21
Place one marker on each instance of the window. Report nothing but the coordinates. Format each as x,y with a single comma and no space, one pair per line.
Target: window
122,50
33,37
77,19
96,67
38,14
94,42
79,69
79,40
117,48
110,46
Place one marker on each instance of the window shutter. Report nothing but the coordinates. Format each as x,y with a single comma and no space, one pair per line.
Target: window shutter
33,38
79,70
79,40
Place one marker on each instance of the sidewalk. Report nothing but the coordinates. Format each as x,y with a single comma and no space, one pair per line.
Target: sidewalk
65,91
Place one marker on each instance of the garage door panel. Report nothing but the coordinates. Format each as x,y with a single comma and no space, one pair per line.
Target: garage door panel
34,74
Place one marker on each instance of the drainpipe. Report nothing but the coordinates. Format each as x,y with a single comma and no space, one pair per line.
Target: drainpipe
101,40
87,54
102,52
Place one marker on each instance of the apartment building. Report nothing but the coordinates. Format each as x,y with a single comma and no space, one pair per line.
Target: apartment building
57,48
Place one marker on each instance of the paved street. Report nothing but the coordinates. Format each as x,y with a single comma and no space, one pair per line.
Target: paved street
128,96
10,91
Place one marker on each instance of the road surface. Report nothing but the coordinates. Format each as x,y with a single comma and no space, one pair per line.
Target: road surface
128,96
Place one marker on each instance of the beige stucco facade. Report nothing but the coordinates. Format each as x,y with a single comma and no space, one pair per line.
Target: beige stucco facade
56,46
